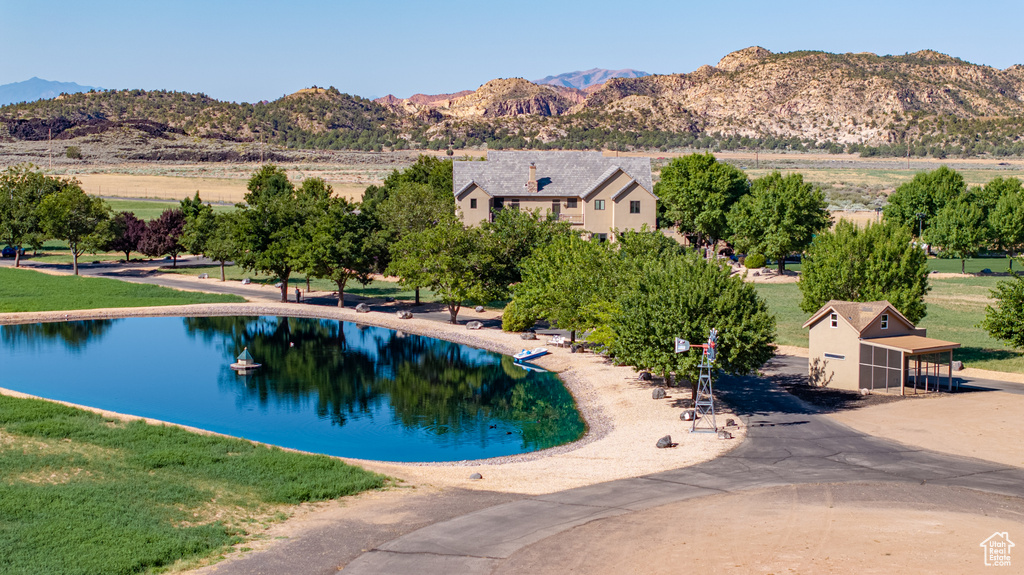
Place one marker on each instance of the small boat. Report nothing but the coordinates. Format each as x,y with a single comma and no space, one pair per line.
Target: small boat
528,354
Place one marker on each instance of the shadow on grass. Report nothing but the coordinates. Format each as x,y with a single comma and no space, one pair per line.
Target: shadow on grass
971,354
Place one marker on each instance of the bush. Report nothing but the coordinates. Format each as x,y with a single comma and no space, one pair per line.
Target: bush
754,261
74,152
514,318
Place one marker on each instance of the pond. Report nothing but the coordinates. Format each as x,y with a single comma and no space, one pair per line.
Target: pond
325,386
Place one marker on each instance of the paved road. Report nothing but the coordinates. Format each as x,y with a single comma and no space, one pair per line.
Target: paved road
787,443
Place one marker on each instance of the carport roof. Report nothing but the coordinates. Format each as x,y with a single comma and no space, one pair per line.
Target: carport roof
912,344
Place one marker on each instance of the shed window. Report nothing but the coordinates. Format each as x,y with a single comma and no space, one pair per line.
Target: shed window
472,204
598,204
835,356
834,318
571,203
885,321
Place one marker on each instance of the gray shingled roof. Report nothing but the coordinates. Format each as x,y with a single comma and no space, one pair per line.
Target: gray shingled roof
858,314
565,174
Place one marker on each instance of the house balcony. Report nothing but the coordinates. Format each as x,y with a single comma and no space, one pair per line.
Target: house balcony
574,219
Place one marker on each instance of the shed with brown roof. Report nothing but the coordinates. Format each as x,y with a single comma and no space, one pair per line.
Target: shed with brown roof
871,345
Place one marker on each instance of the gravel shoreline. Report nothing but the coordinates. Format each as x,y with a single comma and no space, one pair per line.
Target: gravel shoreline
623,422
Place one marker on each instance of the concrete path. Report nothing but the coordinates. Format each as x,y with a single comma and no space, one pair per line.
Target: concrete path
787,443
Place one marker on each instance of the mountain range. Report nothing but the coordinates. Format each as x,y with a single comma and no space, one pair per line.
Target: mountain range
587,78
925,103
37,89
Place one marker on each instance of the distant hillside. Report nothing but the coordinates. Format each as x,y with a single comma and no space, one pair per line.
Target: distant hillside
924,103
37,89
587,78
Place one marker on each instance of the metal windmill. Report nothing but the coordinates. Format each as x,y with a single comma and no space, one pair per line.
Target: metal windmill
704,406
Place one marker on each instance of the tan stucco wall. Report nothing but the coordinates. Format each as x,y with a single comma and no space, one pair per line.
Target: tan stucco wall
472,217
600,221
623,220
842,340
896,327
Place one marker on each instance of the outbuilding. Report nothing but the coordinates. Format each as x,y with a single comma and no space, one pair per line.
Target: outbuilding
871,345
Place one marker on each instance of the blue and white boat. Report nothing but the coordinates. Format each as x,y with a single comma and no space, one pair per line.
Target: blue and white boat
528,354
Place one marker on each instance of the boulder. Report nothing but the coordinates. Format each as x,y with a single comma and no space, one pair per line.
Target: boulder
665,442
645,376
479,309
986,271
958,365
363,308
474,325
528,335
246,281
724,435
476,476
204,276
278,285
865,391
730,422
658,393
389,299
686,415
404,314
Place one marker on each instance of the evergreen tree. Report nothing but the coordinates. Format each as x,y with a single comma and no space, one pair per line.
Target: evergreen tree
1003,321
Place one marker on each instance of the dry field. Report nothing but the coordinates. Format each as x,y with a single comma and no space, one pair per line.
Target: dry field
221,190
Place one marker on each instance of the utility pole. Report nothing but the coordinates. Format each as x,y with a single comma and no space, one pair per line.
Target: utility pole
49,146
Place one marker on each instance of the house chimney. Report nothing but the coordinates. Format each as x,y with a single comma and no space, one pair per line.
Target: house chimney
531,185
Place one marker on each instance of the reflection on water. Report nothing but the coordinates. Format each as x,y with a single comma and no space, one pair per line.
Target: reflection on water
325,386
74,334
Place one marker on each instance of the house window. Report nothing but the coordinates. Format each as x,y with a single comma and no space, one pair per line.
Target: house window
885,321
571,203
602,237
472,204
634,207
834,318
598,204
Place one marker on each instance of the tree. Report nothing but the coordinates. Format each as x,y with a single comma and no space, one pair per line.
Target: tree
212,234
1003,321
779,217
21,192
514,235
75,217
696,193
876,263
190,207
450,259
338,246
926,194
408,209
126,232
268,224
1006,220
686,296
570,283
960,229
163,235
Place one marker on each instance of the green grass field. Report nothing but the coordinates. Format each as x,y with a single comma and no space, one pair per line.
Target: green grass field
83,494
955,308
27,290
151,209
376,288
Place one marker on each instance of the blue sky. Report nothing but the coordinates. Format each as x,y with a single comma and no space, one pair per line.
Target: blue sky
257,49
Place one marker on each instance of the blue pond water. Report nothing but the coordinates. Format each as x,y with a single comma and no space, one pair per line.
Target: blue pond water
325,386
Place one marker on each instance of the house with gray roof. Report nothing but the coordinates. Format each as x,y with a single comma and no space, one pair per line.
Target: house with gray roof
594,192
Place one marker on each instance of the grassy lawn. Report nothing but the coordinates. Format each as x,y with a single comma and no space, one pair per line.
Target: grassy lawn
82,493
151,209
955,308
376,288
27,290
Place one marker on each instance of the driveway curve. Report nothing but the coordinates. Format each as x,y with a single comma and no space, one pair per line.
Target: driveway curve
788,443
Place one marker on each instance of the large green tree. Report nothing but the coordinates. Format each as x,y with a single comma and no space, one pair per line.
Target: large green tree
514,235
570,283
337,245
268,225
960,229
926,195
75,217
213,235
685,296
1006,219
779,217
696,192
448,258
1003,321
875,263
21,192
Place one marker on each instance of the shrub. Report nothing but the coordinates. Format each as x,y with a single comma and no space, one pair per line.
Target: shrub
74,152
753,261
516,318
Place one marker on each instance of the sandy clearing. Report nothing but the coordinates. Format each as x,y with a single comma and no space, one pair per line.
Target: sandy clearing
975,424
624,422
806,529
